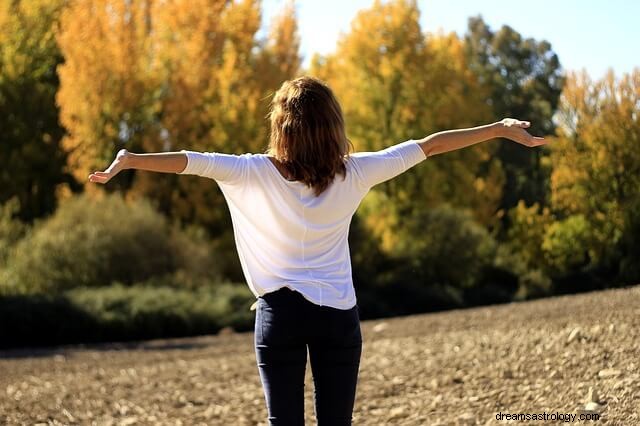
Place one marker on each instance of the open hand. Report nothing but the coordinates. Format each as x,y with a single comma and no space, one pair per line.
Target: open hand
513,129
120,163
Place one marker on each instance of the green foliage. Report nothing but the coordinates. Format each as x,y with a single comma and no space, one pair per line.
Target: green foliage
92,242
525,236
525,80
630,247
120,313
408,267
596,165
11,228
566,244
43,320
444,245
534,284
397,82
32,162
130,312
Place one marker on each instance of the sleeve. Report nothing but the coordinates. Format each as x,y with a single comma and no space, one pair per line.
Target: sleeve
377,167
220,167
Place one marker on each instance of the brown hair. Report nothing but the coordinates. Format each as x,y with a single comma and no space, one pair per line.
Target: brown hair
307,132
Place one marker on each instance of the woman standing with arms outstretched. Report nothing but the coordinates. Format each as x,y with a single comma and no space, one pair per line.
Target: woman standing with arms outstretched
291,209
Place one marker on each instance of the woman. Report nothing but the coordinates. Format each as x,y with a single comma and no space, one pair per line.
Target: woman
291,210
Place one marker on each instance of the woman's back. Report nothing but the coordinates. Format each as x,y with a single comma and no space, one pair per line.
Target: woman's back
287,235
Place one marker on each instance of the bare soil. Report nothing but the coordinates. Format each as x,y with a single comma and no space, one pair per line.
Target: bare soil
568,355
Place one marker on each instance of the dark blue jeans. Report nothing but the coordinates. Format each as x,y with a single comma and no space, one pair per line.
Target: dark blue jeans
286,326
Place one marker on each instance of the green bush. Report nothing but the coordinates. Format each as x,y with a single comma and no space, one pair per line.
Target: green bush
43,320
444,246
629,271
495,285
11,228
566,244
524,237
429,261
534,284
121,313
93,242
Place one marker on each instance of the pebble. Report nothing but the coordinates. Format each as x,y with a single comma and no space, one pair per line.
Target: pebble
609,372
574,335
380,327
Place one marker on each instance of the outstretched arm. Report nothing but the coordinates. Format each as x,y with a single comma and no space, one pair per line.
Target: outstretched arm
450,140
162,162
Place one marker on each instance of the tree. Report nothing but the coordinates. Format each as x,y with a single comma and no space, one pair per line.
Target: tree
31,159
396,83
279,57
523,79
596,163
159,76
106,93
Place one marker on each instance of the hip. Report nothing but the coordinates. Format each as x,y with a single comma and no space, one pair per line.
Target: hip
286,313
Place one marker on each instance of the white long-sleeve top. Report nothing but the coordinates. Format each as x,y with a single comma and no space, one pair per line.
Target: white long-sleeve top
287,236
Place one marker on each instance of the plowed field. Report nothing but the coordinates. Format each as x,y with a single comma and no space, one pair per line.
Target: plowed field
564,355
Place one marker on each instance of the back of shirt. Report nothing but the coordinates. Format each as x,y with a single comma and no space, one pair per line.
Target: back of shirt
284,233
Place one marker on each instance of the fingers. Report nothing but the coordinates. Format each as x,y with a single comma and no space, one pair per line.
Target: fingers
532,141
512,122
99,177
539,141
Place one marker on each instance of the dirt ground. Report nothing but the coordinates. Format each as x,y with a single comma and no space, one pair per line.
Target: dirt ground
564,355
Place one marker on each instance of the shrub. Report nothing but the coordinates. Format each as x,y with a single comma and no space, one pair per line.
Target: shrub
11,228
121,313
424,263
566,244
534,284
495,285
527,227
630,247
43,320
444,246
92,242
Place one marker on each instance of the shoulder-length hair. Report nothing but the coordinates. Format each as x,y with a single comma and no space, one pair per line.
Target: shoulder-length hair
307,132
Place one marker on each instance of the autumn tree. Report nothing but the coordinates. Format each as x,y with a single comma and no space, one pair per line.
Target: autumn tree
207,100
596,168
152,75
106,94
279,57
31,159
396,83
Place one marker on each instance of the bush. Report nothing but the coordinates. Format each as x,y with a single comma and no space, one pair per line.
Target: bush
425,262
534,284
11,228
121,313
523,244
630,247
92,242
495,285
444,246
39,320
566,244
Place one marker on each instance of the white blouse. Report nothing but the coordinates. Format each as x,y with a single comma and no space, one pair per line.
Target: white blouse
285,235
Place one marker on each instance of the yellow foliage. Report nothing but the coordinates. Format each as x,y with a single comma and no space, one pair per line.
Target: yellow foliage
397,83
595,155
528,226
165,75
